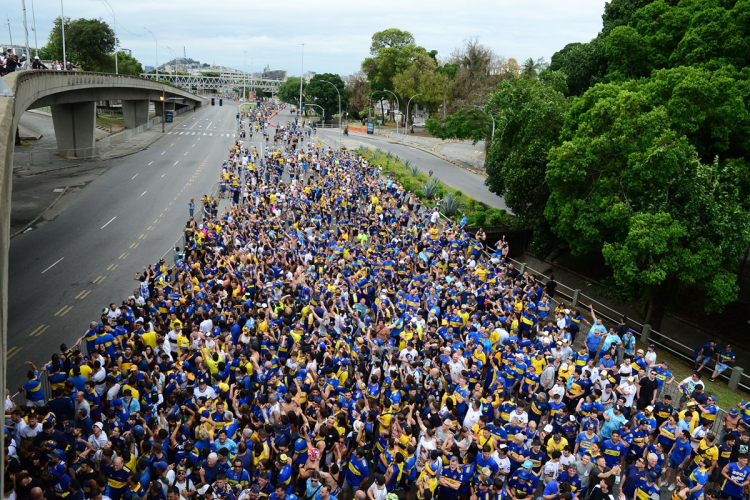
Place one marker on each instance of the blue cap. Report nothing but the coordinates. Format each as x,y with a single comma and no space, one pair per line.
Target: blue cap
117,402
523,475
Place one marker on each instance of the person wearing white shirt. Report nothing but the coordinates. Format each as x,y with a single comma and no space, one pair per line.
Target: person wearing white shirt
627,389
29,431
98,440
204,389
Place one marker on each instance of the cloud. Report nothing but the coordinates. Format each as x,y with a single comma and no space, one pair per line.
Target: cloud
336,33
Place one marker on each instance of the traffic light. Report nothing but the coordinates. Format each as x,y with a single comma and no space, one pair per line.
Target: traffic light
212,102
221,102
238,117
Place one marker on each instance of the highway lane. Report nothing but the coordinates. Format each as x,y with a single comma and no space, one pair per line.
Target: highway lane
468,182
64,273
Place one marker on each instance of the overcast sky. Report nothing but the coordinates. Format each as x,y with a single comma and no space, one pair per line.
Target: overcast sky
336,33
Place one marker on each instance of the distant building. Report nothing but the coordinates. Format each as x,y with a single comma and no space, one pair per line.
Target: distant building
148,68
126,51
19,50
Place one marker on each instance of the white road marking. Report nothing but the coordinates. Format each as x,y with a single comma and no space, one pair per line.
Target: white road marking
210,134
192,145
136,175
150,163
163,175
110,220
53,265
209,125
187,152
145,191
163,152
176,162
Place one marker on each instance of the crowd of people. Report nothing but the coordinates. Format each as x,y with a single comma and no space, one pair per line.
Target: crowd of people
325,335
10,62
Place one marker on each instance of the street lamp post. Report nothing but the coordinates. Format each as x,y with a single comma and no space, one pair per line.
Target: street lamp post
62,28
398,107
114,17
321,109
301,77
244,79
156,43
407,113
33,28
339,93
493,121
174,54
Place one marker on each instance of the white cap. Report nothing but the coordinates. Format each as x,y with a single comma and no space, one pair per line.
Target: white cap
548,428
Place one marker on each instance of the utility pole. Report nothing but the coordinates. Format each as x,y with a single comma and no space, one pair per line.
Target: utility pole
244,79
9,33
33,22
301,78
62,27
26,35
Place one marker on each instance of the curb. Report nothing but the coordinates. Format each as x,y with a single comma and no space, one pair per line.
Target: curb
40,215
437,154
443,157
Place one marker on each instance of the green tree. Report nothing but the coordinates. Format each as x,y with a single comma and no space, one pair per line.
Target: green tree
358,90
392,52
391,37
288,91
211,73
126,64
88,43
584,64
423,78
625,183
530,114
324,94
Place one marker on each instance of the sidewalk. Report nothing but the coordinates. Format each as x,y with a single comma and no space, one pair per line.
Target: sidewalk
464,152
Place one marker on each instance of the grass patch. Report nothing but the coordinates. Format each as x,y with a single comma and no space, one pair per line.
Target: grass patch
414,179
110,123
25,144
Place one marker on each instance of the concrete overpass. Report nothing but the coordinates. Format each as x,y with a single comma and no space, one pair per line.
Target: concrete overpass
72,97
203,83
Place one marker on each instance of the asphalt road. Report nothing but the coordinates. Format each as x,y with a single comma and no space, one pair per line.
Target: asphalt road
64,273
468,182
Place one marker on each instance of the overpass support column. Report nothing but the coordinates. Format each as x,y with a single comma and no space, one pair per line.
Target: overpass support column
74,128
159,108
135,113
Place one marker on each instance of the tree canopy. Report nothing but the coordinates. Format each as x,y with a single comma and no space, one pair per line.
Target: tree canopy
632,145
324,94
88,43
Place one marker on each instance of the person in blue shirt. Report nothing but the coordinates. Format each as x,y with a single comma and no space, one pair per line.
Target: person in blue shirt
724,359
34,393
357,472
678,456
736,478
614,450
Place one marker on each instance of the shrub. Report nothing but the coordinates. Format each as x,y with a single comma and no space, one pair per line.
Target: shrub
479,219
498,218
407,184
431,188
419,194
451,205
413,169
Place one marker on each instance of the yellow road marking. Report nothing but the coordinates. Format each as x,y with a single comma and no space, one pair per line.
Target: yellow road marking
124,256
141,236
39,334
15,351
65,310
80,294
85,294
133,245
150,228
97,280
35,331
